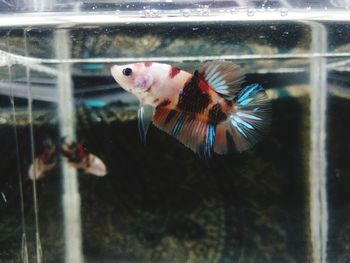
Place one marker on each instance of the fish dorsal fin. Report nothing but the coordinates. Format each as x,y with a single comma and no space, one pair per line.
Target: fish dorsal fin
197,135
223,76
145,114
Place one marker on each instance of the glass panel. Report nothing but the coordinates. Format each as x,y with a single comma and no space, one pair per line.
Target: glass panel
62,114
160,202
338,147
31,216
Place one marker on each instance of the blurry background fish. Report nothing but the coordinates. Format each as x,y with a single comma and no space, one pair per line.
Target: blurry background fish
45,161
80,158
76,153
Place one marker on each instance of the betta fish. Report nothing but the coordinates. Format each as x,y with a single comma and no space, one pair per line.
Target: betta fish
207,111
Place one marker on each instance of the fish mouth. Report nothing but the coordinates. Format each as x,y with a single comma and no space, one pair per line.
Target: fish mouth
141,90
118,77
114,72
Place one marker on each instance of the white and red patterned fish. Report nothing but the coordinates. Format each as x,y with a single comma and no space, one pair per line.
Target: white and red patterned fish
79,158
206,111
44,162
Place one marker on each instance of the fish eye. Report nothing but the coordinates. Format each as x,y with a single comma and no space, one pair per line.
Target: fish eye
127,71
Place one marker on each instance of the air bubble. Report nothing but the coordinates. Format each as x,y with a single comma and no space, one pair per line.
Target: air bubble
151,13
250,12
233,11
155,12
284,12
204,11
186,12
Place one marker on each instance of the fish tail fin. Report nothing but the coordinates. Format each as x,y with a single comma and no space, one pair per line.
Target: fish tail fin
248,123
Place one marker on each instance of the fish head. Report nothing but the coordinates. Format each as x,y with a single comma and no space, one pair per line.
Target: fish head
134,78
150,82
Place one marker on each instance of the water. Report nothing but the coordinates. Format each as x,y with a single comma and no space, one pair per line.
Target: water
283,201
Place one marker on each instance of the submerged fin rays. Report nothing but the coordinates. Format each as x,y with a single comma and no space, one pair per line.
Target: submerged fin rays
197,135
145,114
209,141
251,117
223,76
246,125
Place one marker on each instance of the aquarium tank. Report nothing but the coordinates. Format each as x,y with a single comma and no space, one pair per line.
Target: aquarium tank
78,183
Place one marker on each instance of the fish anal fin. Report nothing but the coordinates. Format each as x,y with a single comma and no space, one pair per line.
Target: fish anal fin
223,76
197,135
221,142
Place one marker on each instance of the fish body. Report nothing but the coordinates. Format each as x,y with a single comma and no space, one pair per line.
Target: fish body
207,111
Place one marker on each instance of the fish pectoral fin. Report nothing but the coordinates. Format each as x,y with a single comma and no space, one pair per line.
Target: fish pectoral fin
145,114
196,134
223,76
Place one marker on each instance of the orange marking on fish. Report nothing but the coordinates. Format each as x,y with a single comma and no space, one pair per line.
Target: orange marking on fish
204,86
148,64
164,103
173,72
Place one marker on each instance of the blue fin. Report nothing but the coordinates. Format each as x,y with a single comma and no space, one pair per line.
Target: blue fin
208,145
145,114
223,76
251,116
197,135
178,125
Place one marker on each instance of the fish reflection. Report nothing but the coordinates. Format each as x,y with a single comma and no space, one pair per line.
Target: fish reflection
76,154
45,161
80,158
207,111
